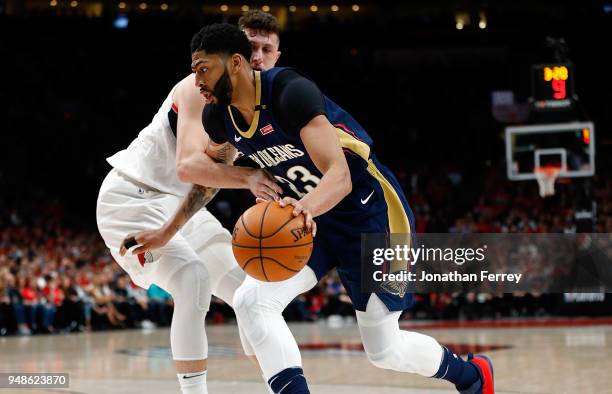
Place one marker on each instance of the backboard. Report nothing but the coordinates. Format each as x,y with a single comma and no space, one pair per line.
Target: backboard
570,146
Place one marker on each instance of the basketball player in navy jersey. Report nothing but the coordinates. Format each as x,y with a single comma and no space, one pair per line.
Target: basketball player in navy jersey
323,161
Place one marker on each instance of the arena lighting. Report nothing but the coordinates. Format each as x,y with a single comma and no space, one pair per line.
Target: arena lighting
142,6
483,20
53,3
122,5
265,8
164,6
244,8
292,8
314,8
121,22
74,3
224,8
355,7
462,19
335,8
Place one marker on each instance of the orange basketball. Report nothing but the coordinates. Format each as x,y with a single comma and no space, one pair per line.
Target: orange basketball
270,243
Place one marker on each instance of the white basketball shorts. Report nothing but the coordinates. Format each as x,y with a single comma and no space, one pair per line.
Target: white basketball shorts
126,206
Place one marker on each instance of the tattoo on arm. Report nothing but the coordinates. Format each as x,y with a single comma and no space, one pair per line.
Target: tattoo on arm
197,198
225,153
199,195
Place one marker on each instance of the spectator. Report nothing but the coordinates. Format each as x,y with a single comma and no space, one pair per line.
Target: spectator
104,311
160,306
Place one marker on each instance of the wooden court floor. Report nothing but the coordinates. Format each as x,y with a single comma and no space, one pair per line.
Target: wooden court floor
537,360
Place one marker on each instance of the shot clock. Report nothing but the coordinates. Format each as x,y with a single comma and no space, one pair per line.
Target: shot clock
552,86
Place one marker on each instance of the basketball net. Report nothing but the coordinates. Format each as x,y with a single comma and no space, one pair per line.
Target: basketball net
546,177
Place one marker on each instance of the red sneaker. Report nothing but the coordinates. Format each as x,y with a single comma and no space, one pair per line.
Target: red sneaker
485,369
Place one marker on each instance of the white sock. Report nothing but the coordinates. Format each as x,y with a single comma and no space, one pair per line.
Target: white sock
193,382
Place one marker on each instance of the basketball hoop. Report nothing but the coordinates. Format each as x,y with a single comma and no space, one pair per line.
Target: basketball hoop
546,177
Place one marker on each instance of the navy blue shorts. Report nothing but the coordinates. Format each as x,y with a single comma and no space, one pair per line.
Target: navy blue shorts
375,205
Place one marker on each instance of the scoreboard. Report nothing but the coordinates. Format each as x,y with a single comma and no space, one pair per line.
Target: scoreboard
552,86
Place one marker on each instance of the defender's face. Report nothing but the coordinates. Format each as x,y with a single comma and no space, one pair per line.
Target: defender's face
264,48
209,70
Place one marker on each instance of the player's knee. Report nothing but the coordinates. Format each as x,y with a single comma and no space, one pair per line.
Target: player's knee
226,286
391,358
190,288
383,360
248,313
251,299
255,310
242,300
405,352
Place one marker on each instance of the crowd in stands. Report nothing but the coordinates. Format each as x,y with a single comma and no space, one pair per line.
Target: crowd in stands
58,279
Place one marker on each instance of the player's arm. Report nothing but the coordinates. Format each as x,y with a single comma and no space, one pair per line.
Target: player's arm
191,139
323,147
302,107
191,142
321,141
213,169
195,200
221,157
205,163
192,164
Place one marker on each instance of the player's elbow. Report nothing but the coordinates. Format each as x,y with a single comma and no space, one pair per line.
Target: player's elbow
184,171
346,184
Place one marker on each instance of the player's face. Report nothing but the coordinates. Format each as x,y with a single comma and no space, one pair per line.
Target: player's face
264,48
212,78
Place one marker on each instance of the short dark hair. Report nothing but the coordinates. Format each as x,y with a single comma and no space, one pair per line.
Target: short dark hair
259,20
221,38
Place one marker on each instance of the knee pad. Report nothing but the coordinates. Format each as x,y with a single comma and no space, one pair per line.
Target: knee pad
190,287
246,345
388,347
190,290
227,285
251,307
411,352
384,360
260,304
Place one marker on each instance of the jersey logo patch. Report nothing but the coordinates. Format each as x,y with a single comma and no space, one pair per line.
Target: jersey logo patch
266,129
145,258
364,201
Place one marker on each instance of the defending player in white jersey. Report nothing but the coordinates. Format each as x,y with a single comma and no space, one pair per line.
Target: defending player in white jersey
147,184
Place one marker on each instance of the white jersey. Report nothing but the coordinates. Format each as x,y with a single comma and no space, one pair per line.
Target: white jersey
151,158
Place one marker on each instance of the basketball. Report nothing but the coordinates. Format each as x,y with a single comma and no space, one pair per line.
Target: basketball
270,244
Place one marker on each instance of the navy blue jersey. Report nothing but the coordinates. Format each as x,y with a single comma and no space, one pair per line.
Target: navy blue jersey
284,155
376,203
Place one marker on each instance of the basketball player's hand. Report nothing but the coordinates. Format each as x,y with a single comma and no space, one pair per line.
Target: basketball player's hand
298,208
263,185
146,240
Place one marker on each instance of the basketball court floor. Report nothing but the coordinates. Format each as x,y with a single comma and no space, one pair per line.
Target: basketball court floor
531,357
